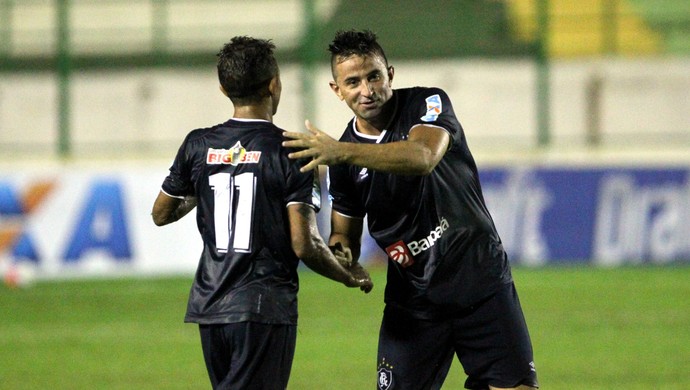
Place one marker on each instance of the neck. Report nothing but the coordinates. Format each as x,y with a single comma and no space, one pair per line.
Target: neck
258,111
369,127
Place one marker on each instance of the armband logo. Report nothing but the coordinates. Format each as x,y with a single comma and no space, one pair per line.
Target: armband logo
233,156
433,108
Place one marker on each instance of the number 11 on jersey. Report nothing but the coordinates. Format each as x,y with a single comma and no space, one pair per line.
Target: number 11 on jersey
233,207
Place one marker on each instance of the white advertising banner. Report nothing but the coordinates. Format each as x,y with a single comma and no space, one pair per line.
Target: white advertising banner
87,222
75,222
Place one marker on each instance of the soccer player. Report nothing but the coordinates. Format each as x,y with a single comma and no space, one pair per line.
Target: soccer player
256,216
403,162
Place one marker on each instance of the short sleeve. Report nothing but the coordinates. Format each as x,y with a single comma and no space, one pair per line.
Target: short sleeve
179,180
434,108
302,187
342,192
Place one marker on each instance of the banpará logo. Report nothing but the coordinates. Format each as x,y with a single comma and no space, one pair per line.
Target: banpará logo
428,241
399,253
404,253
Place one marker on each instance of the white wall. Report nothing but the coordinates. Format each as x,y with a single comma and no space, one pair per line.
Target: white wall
143,113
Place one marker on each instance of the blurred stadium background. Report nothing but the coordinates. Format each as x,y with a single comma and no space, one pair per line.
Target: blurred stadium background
577,111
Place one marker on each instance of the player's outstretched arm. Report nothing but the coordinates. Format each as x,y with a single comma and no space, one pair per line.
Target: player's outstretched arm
418,155
309,246
167,209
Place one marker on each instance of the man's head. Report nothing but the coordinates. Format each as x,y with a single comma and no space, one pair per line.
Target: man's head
361,75
246,68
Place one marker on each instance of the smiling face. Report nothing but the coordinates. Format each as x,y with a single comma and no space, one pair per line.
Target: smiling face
365,84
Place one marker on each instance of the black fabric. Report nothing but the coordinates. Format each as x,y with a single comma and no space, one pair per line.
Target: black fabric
243,181
248,355
490,339
449,254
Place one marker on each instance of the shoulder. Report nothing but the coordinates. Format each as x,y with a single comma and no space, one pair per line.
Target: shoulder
199,135
420,93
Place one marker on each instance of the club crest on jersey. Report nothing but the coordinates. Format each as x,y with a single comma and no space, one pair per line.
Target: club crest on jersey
233,156
433,108
385,379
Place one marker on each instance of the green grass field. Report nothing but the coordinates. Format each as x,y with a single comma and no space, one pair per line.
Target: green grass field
626,328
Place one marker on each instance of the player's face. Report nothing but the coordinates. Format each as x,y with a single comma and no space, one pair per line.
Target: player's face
365,84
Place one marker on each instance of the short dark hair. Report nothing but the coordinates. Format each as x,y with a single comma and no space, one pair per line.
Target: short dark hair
245,68
353,42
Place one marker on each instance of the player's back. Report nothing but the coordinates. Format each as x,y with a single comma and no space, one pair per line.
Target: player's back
244,181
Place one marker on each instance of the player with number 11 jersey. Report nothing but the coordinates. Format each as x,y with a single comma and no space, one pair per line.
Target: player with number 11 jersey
241,175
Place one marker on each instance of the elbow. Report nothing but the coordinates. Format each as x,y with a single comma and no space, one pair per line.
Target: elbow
300,248
305,249
159,220
425,169
424,166
424,163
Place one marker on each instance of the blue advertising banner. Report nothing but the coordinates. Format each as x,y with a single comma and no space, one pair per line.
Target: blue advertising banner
608,216
604,216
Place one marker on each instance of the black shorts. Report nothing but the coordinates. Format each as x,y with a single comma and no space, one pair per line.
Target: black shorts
490,340
248,355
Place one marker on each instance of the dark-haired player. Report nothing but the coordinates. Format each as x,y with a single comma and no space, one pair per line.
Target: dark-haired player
256,216
403,162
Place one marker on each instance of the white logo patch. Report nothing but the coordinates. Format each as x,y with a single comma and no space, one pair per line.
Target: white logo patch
433,108
385,379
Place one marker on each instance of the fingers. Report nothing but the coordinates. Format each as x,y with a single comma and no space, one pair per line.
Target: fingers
312,129
348,254
306,153
366,286
313,164
295,135
362,277
342,259
297,140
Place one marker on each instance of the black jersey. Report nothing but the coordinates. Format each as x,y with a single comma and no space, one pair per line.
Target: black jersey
243,181
443,249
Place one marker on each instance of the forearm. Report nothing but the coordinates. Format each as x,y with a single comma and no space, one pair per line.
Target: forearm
310,248
168,210
403,157
319,258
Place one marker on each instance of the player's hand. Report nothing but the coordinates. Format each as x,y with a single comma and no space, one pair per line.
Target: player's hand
361,278
315,144
342,254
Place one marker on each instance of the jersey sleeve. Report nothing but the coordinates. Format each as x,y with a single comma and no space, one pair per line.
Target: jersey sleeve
342,193
179,183
432,107
302,187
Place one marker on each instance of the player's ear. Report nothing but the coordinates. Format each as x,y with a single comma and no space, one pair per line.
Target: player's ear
391,73
223,90
275,86
335,89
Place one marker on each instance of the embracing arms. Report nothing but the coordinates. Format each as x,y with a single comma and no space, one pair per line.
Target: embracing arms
418,155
